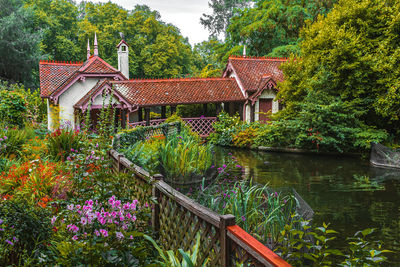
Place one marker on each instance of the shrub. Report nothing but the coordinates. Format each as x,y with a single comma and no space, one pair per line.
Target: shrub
301,244
224,129
12,107
246,137
61,142
145,154
24,227
11,142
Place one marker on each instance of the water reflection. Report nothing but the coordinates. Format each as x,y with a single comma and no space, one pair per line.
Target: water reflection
347,192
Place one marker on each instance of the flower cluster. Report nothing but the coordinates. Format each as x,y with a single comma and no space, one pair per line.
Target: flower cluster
96,220
35,180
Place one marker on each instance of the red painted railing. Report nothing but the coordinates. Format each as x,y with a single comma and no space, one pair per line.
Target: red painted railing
201,125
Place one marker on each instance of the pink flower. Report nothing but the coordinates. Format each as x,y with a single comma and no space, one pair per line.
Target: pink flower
97,233
53,220
83,221
75,237
104,232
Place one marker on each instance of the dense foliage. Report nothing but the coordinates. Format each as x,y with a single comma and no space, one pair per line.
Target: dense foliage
349,57
326,125
272,27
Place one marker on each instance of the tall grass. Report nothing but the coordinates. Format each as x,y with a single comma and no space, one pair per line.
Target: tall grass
258,211
183,155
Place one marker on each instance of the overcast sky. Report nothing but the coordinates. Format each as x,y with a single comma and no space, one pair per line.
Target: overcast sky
185,14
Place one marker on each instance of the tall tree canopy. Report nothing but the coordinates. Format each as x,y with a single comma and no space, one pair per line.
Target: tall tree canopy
351,54
272,27
19,42
223,10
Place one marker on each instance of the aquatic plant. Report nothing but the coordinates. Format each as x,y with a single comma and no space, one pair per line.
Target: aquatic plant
183,155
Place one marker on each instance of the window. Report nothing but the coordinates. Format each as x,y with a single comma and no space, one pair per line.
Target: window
123,48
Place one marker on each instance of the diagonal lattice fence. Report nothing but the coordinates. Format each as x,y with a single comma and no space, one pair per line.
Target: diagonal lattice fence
201,125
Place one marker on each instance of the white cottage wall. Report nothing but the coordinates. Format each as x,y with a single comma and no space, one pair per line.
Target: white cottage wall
52,123
98,101
71,96
266,94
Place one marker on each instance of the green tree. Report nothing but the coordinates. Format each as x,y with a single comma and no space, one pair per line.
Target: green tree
223,10
352,53
58,19
206,59
19,42
272,27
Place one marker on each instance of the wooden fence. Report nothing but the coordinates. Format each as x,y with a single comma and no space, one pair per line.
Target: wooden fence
177,219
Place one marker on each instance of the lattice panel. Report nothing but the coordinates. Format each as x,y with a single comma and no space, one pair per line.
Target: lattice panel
202,126
141,190
178,229
241,256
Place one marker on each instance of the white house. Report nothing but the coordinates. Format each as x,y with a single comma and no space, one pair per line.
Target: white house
70,87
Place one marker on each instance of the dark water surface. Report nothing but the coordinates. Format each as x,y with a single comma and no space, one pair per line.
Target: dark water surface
329,185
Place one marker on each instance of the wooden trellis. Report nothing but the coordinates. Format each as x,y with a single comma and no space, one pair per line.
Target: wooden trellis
178,219
201,125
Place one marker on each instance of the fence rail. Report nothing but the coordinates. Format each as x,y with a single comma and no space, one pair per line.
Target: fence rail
178,219
201,125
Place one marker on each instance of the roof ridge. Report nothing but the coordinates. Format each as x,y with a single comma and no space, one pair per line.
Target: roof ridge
260,58
55,62
174,79
92,59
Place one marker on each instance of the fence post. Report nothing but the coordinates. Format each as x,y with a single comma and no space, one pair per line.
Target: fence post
155,214
226,220
119,163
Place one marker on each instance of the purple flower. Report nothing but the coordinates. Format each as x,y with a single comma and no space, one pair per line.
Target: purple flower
75,237
224,166
238,166
9,242
131,237
1,221
119,235
70,207
53,220
243,218
5,137
72,150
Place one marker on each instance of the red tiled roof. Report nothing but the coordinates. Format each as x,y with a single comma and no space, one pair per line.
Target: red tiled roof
122,42
52,74
250,70
97,65
179,91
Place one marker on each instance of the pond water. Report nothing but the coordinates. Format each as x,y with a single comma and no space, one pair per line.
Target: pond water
330,185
